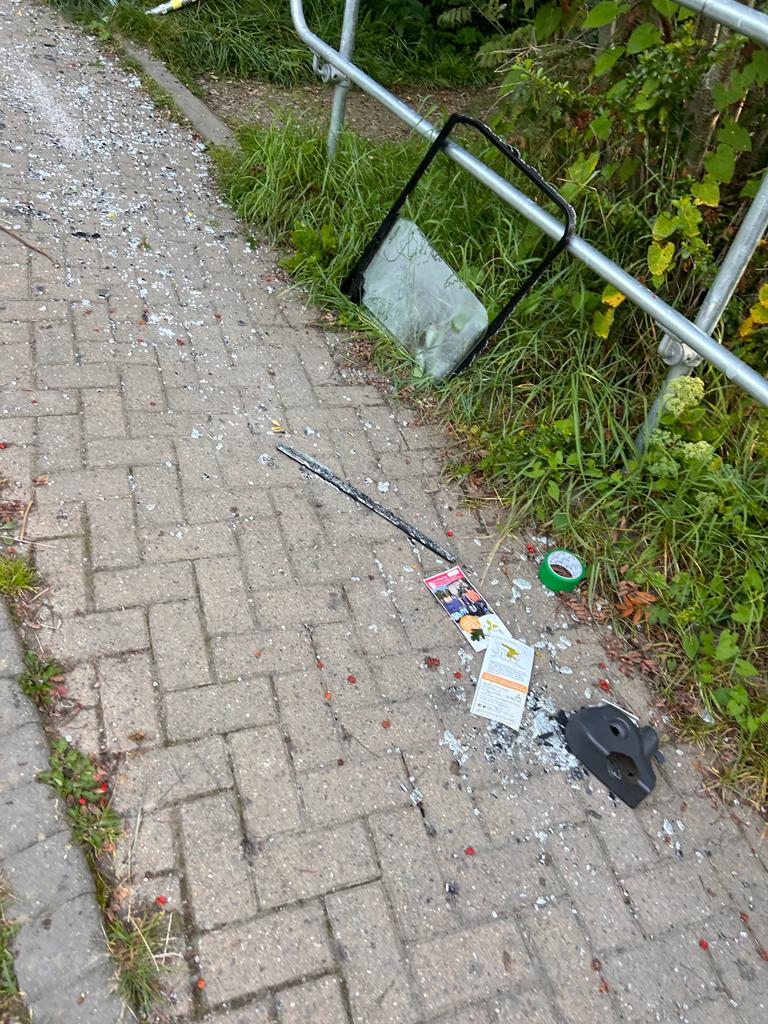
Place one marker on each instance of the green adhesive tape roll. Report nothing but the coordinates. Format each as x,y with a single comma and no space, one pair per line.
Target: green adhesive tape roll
561,570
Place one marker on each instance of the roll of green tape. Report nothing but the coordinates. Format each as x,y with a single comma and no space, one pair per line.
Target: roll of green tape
562,570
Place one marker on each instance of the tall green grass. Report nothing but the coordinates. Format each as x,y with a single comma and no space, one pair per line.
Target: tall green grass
255,39
548,414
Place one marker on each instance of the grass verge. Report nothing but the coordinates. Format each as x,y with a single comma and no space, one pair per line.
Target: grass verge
255,38
547,416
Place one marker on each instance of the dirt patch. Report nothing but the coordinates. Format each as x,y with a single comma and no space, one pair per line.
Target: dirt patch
251,102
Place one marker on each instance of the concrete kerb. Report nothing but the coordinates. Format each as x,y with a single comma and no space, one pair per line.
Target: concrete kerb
61,961
201,117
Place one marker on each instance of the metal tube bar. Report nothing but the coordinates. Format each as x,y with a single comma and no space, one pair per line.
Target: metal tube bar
667,317
739,17
751,230
346,46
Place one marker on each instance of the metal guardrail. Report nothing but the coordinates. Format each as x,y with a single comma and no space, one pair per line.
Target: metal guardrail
694,343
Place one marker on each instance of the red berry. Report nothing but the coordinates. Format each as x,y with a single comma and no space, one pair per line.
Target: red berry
327,694
200,982
82,801
340,761
161,900
449,533
470,851
386,724
351,678
530,549
457,675
703,943
104,787
604,685
319,664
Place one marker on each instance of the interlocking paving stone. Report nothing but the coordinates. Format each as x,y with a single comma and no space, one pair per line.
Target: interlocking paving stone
216,869
245,959
371,959
299,865
316,1002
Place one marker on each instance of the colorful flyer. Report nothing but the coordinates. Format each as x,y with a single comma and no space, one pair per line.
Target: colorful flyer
468,609
504,680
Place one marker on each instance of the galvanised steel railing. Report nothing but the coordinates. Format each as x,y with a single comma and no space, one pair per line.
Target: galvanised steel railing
685,343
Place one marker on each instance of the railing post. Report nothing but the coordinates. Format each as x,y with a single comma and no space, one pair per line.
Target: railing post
346,47
680,357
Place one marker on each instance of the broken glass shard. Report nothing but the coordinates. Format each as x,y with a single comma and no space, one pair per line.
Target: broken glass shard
416,297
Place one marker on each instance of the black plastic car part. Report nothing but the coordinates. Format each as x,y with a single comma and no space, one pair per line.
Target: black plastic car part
609,743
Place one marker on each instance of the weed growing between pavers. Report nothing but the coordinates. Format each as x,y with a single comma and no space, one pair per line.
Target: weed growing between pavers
138,942
12,1008
17,577
85,791
546,419
41,679
139,946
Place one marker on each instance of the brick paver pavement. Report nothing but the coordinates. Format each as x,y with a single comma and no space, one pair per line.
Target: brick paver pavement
213,603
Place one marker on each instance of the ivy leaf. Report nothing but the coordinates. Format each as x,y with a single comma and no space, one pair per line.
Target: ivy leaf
722,163
547,20
606,60
665,225
660,257
706,193
645,35
666,8
601,322
726,93
758,67
744,668
727,645
604,13
734,135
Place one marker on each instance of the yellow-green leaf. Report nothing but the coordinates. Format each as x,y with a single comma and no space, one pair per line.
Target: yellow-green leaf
665,225
759,313
601,322
762,295
706,193
612,297
660,257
